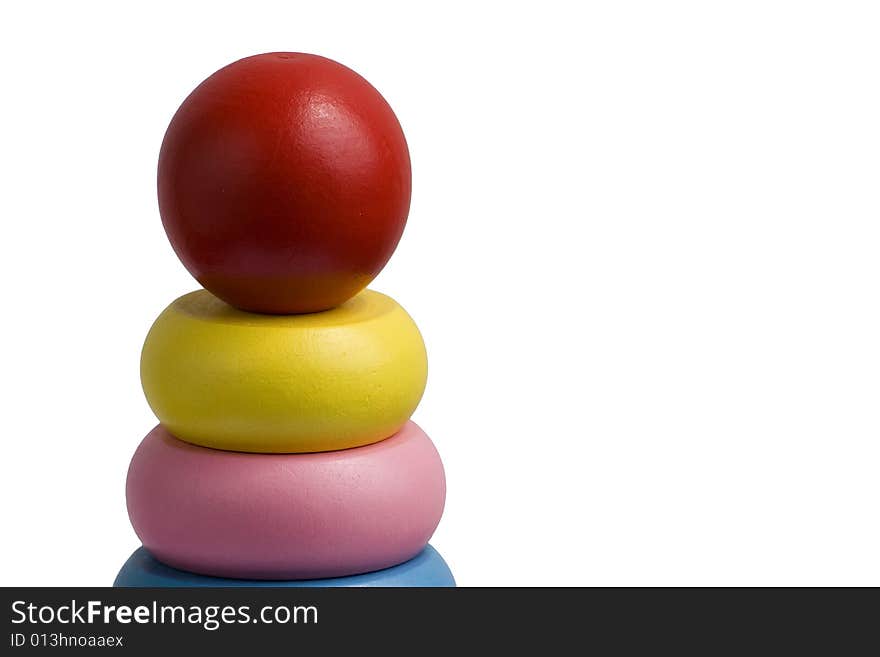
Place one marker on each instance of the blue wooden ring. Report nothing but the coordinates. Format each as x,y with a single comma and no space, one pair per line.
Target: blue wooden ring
425,569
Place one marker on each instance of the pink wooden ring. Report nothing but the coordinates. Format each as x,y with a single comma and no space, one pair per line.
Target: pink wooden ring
285,516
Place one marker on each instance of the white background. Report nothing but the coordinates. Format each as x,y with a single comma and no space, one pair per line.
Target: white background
643,251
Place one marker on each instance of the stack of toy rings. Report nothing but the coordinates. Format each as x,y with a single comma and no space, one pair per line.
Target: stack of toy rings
285,455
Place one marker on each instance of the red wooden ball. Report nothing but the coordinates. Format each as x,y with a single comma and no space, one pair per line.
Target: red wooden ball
284,183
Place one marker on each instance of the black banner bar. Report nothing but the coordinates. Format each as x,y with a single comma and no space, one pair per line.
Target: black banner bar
435,621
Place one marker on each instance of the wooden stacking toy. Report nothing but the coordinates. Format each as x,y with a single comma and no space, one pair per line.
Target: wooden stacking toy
285,453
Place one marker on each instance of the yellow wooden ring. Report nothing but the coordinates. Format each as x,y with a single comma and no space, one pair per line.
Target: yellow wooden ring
220,377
